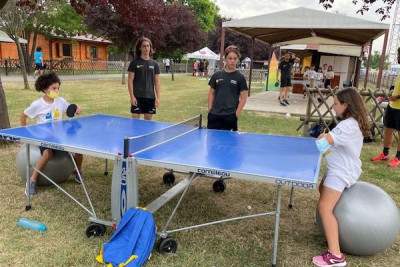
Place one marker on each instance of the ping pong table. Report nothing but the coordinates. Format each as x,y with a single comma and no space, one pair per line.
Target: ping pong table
185,147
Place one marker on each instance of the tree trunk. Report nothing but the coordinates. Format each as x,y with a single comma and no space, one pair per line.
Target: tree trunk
33,49
22,63
172,71
4,119
124,69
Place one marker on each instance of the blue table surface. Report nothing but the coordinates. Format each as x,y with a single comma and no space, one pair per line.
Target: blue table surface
100,133
289,157
259,154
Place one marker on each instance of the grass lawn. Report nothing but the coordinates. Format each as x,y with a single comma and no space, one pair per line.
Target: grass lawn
243,243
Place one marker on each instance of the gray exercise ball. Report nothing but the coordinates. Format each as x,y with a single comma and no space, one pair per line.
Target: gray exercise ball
59,168
369,220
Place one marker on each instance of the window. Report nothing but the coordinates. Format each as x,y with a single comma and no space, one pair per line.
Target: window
58,50
67,50
93,52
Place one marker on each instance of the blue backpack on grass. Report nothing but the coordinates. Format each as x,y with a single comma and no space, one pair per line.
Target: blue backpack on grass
132,242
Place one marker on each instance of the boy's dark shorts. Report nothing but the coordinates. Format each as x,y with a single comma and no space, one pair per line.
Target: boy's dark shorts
222,122
286,82
39,66
144,106
392,118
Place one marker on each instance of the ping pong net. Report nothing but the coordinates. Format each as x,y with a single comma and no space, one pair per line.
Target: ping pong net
137,144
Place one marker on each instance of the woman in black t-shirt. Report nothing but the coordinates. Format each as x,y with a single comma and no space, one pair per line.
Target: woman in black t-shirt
227,95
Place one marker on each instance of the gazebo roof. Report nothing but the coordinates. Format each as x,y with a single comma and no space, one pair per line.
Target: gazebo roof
320,27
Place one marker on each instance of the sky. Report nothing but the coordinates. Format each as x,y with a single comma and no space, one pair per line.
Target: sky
238,9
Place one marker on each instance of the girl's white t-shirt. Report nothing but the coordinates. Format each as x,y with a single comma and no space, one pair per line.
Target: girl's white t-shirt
343,158
45,112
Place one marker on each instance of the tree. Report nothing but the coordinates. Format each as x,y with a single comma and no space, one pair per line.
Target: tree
2,3
4,119
261,50
383,10
14,17
124,21
183,34
52,17
376,60
172,27
206,12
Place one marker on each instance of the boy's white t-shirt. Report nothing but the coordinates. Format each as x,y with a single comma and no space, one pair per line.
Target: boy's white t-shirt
343,159
45,112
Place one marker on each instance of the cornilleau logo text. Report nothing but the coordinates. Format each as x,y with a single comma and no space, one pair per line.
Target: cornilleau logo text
123,196
294,183
213,172
52,146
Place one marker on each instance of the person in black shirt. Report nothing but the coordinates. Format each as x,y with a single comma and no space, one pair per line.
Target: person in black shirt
144,81
285,68
227,95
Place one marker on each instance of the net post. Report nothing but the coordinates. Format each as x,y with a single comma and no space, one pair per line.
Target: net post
126,147
200,120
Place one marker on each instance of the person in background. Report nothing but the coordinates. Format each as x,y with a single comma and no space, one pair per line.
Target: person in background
144,81
319,81
329,76
227,94
195,68
167,65
391,122
285,69
39,65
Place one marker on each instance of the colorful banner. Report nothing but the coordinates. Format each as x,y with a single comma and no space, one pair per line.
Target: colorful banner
272,68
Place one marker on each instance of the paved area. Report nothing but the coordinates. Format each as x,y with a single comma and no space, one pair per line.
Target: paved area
268,102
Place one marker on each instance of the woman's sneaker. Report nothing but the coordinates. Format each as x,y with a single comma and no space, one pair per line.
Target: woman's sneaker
77,178
32,189
328,259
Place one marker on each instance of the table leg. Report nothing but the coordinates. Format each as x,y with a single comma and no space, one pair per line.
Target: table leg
28,166
277,217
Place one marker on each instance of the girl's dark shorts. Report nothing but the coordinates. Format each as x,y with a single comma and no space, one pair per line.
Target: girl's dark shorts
222,122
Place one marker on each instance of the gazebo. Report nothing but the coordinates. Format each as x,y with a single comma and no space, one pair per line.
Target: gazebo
205,53
308,26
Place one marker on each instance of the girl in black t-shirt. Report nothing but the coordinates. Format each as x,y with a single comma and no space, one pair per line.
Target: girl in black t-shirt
227,95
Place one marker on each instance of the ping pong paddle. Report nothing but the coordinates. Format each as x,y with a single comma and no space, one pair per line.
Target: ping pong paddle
277,84
71,110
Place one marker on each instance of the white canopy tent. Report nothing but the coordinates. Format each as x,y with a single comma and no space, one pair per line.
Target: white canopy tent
205,53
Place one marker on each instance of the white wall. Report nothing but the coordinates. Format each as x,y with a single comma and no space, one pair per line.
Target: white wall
343,66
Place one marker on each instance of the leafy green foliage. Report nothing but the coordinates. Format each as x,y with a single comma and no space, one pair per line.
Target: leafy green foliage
365,5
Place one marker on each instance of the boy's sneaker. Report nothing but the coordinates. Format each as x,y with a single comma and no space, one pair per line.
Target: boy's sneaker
381,157
32,189
328,259
286,102
77,178
394,163
283,104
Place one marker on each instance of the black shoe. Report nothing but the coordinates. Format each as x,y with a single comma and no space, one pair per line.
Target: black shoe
286,102
283,104
319,100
